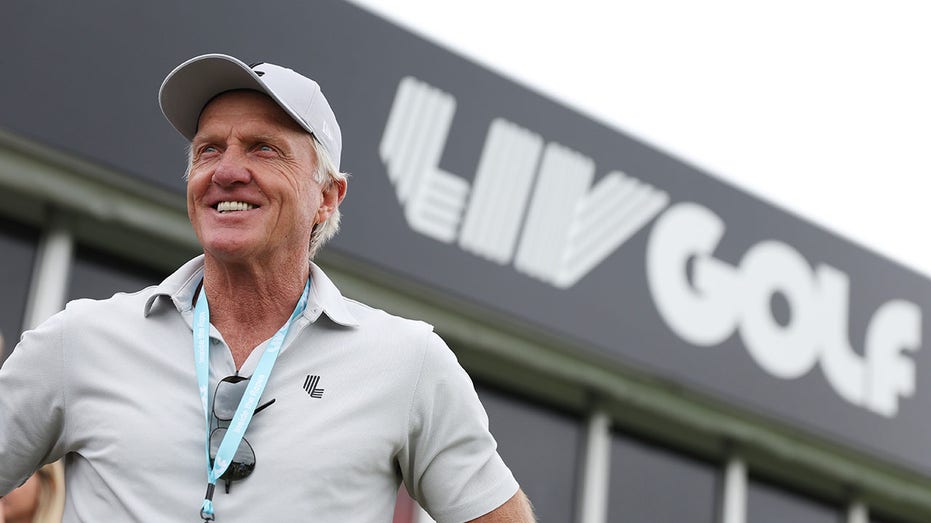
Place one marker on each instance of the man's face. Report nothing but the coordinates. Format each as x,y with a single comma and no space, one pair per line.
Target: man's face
251,192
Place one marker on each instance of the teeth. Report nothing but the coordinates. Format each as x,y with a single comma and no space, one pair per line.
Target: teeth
234,206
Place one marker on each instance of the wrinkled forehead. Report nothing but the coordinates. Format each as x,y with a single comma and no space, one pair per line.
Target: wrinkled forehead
244,106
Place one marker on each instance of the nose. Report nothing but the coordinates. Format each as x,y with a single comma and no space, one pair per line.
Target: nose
231,168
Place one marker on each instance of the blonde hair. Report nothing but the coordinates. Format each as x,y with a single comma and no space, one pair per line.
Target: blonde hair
51,503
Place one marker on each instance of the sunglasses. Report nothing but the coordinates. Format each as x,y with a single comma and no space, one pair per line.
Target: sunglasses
226,398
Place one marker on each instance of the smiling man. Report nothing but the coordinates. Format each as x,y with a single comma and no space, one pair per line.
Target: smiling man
245,387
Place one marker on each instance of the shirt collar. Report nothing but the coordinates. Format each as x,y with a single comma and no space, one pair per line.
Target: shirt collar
325,297
181,285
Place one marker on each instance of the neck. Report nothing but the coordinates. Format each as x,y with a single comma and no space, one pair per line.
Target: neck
249,303
242,288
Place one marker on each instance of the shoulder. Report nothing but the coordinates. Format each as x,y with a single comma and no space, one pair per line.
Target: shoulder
120,303
385,329
370,329
82,324
385,340
86,320
374,318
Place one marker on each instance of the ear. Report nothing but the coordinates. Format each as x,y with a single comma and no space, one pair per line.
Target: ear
333,195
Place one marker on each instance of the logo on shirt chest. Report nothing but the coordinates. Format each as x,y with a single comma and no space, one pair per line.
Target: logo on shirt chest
310,386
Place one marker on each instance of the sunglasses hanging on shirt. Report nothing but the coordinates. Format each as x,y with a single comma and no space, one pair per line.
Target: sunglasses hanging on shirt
229,393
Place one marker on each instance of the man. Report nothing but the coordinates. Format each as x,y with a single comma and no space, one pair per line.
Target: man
245,387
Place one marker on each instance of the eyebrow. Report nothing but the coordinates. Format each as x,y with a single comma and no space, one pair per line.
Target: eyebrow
264,137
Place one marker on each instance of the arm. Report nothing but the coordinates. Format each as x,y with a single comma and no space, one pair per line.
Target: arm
450,462
31,405
515,510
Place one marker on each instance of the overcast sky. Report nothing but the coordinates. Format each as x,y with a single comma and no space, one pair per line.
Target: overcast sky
821,107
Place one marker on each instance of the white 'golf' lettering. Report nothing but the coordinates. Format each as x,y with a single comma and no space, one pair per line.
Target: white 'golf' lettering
719,298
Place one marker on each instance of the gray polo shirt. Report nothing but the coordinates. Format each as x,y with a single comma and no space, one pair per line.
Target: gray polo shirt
363,399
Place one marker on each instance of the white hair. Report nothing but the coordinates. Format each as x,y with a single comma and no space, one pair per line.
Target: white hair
326,174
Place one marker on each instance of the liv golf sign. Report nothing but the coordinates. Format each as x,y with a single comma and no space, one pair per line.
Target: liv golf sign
717,299
556,230
533,205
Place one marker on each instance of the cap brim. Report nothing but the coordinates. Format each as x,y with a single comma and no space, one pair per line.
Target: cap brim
188,88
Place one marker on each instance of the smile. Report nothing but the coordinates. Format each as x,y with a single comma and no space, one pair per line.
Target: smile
224,207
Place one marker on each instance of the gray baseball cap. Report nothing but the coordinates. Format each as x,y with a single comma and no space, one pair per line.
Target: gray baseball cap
187,89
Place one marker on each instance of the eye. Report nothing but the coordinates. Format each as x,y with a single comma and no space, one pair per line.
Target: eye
206,149
204,152
266,150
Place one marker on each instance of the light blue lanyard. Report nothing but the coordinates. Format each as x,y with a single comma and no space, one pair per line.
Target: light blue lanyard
250,398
